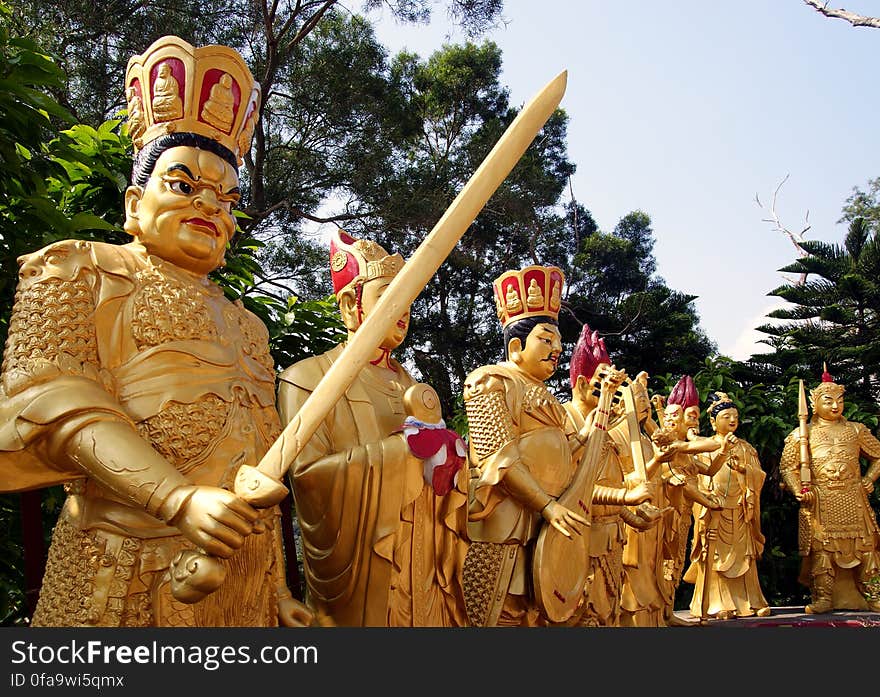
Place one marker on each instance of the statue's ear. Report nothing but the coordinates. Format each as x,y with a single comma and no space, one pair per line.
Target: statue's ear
348,310
514,347
133,196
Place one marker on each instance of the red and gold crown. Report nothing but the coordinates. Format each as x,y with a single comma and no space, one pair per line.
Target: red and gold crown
174,87
530,292
353,261
827,386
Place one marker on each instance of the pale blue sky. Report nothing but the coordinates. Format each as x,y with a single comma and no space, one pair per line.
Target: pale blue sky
687,110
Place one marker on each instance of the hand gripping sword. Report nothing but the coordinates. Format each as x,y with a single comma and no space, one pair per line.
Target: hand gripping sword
261,486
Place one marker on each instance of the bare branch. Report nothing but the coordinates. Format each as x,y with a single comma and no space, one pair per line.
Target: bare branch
856,20
795,237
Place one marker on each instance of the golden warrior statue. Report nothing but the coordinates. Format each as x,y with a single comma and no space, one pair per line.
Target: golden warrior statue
382,522
838,536
522,452
128,376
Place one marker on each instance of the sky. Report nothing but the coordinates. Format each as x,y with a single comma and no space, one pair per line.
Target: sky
688,111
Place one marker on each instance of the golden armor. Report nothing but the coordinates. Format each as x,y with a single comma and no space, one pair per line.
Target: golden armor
838,535
383,525
129,376
727,543
522,457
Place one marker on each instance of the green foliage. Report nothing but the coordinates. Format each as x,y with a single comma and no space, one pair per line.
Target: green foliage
833,314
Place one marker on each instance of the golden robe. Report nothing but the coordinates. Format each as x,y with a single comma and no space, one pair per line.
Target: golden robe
380,548
107,332
733,583
647,593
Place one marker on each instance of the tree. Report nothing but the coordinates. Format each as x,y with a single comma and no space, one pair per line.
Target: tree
459,110
833,316
613,288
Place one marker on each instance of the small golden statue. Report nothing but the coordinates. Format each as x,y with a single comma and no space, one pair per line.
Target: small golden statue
218,109
727,543
136,124
129,377
383,523
523,455
166,102
613,492
838,536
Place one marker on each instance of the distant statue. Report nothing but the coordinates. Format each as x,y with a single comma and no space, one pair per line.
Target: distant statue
218,109
613,493
838,535
727,543
136,124
167,104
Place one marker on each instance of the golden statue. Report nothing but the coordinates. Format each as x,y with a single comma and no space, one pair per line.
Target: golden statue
648,593
382,522
218,108
136,123
534,296
167,104
729,540
523,454
512,302
679,434
129,377
613,492
838,536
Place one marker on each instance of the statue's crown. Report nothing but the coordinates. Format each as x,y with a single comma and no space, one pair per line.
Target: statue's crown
353,260
529,292
174,87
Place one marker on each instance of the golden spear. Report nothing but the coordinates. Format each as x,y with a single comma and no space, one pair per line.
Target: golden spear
261,486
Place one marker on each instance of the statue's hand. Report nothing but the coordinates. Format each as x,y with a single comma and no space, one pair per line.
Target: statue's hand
212,518
562,518
292,612
867,484
716,503
806,497
658,402
711,534
638,494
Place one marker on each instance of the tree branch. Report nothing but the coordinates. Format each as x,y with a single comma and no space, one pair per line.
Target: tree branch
796,238
856,20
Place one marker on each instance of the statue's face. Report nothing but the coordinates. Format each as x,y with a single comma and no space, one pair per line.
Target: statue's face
692,417
184,214
641,401
726,421
370,294
829,407
539,356
673,419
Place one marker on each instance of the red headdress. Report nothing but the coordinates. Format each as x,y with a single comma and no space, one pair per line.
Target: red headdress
353,260
588,353
684,393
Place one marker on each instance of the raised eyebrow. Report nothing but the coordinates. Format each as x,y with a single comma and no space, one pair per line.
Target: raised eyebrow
182,167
